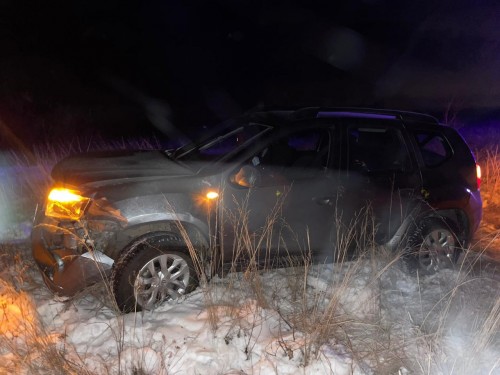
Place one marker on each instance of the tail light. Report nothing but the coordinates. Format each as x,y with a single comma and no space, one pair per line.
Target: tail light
478,175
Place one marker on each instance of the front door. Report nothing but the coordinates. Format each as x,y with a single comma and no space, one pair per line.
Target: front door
280,203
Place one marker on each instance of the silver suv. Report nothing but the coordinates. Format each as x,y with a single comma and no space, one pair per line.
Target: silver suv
289,181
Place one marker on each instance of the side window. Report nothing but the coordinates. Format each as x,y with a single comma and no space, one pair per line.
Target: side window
299,155
433,147
307,149
377,149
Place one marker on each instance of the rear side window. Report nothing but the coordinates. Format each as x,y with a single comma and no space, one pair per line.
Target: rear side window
377,149
434,148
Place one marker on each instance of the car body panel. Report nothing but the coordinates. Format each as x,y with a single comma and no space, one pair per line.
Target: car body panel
311,201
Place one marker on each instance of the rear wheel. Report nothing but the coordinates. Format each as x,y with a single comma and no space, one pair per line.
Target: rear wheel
152,271
433,246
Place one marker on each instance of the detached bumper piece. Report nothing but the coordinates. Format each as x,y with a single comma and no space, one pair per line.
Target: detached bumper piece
67,265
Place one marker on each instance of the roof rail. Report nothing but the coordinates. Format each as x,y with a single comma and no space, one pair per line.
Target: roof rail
368,113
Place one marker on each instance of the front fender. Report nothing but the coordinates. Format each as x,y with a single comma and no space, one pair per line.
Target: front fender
195,229
169,217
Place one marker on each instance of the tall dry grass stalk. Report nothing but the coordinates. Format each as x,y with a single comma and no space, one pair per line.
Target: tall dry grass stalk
247,260
489,160
314,315
455,339
39,162
326,312
26,346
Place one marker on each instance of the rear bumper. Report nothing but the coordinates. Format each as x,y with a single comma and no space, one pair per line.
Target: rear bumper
475,212
66,263
476,207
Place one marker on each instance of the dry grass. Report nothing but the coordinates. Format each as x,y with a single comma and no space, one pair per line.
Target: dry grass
455,337
25,344
311,313
488,237
314,315
489,160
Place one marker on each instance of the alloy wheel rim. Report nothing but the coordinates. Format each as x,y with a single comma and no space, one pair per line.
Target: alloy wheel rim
164,277
437,250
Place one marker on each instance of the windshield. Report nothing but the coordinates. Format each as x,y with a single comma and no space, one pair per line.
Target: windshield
222,145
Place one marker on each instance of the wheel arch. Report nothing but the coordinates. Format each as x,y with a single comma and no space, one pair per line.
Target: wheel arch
133,234
456,216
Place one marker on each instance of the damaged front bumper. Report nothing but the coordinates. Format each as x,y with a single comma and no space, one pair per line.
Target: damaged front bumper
67,257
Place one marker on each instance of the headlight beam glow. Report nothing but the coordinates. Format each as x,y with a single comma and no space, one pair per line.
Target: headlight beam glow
65,203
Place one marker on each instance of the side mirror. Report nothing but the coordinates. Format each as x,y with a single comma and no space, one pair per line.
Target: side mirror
247,176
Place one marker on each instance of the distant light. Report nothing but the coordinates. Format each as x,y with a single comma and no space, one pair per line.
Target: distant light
212,195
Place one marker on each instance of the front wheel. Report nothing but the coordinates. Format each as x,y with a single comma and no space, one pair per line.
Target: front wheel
152,271
433,246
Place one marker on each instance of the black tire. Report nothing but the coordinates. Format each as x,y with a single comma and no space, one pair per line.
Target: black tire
433,246
152,270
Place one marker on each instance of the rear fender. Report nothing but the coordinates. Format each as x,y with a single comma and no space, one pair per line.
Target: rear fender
455,216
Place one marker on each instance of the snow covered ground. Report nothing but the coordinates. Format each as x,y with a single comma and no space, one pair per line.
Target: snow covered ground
360,317
353,318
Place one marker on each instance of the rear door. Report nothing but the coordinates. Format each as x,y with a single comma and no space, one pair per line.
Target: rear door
381,179
448,166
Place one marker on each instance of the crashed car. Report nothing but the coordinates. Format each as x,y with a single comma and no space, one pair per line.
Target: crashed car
266,186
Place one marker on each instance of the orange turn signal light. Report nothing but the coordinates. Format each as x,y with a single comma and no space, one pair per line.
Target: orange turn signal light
212,195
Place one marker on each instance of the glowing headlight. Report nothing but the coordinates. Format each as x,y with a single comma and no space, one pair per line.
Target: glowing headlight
65,204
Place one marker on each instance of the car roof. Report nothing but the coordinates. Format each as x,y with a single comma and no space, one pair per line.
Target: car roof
280,118
277,117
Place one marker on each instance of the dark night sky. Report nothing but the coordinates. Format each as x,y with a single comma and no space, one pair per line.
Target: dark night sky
121,67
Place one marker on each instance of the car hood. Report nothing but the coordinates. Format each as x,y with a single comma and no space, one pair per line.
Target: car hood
113,165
